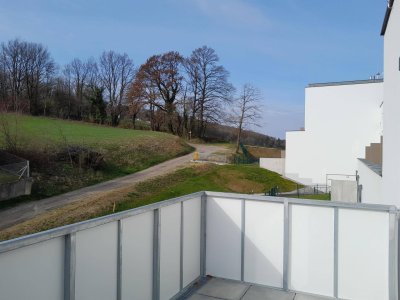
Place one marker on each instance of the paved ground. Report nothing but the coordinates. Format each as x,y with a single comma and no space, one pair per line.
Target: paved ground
231,290
25,211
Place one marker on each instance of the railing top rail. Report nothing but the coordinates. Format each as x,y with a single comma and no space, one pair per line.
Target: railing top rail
322,203
68,229
72,228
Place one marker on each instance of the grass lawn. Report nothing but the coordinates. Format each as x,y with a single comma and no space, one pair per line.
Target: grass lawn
199,177
246,179
5,177
311,196
125,151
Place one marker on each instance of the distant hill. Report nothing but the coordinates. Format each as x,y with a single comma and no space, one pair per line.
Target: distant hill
223,133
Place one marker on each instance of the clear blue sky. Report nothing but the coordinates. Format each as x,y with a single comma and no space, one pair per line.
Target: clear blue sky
278,45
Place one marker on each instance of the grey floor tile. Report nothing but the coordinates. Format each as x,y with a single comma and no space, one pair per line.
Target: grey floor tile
223,289
310,297
200,297
263,293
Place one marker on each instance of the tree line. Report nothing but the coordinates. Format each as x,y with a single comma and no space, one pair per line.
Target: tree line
169,92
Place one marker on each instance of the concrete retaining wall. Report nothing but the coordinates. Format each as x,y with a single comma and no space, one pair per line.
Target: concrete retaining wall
15,189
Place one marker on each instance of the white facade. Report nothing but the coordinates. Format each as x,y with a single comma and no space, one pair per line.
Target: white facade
273,164
391,123
340,120
371,183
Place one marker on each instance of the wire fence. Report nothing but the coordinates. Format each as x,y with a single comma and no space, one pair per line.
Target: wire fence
13,167
302,191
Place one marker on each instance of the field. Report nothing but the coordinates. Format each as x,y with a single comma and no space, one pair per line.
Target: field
44,140
199,177
264,152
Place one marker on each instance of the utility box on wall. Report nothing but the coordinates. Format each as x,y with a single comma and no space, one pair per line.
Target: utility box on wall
344,191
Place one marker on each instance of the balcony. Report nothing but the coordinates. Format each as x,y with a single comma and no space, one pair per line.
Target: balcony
257,247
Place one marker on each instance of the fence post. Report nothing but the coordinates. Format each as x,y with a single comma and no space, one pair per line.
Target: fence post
393,254
119,261
203,235
286,237
69,266
156,255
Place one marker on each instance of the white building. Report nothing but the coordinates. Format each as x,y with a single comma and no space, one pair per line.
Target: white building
344,125
391,114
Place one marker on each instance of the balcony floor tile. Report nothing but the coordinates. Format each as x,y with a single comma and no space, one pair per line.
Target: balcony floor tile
263,293
224,289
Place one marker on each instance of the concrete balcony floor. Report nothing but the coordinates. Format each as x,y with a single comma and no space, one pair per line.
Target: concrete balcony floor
224,289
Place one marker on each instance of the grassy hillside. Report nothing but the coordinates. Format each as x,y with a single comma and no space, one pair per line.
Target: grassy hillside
227,178
47,143
245,179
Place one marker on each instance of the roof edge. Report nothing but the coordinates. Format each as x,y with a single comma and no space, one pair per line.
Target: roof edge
350,82
387,16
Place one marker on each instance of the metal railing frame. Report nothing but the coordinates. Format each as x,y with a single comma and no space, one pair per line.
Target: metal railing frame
69,234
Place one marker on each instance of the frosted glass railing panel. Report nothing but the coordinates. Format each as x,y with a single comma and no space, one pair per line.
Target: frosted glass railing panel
224,218
363,255
191,240
137,256
96,263
263,243
312,249
170,251
33,272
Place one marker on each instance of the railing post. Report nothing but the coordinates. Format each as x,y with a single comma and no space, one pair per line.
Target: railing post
393,255
156,255
203,235
69,266
119,261
336,253
286,237
243,232
181,251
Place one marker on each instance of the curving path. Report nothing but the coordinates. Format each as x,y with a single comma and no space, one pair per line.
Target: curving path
28,210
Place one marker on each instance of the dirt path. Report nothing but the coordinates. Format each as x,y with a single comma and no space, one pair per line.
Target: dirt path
25,211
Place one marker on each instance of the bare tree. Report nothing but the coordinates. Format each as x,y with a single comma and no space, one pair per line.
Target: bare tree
246,110
209,85
39,69
13,59
81,73
160,80
116,72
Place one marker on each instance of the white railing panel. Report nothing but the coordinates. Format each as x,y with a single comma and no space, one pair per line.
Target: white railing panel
263,243
96,263
224,217
191,240
170,251
312,250
33,272
137,256
363,255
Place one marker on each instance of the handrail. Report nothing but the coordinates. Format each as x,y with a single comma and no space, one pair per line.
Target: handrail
28,240
35,238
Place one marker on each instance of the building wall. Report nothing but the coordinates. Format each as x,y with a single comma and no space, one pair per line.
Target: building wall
273,164
371,184
340,120
391,122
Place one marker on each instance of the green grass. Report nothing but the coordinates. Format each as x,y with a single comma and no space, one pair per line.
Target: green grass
5,177
227,178
311,196
44,130
125,151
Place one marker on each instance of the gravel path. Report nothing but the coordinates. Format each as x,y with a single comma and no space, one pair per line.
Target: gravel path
28,210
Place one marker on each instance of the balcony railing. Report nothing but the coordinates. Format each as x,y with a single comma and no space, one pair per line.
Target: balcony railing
339,250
